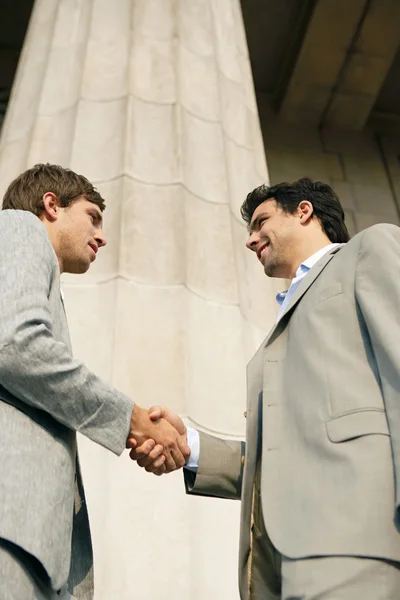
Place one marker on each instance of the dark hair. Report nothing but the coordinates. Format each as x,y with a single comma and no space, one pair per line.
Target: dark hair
326,204
27,190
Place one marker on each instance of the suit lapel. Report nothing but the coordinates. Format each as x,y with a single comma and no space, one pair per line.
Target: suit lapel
308,280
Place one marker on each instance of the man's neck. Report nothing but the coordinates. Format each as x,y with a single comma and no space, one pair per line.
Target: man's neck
307,251
53,240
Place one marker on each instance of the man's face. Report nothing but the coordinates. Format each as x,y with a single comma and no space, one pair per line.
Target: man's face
272,236
80,235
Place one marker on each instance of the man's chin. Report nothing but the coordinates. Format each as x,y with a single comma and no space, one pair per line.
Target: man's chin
79,268
85,267
269,270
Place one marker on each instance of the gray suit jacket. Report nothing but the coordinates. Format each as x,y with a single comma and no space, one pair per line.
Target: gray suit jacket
328,377
45,398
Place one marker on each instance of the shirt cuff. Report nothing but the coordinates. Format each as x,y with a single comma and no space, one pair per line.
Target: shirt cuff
193,440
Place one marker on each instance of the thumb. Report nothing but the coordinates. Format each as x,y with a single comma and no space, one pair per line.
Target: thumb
156,412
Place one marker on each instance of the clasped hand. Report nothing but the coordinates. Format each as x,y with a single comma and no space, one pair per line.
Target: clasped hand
158,440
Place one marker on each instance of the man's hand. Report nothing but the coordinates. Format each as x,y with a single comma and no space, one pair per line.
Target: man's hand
150,455
157,440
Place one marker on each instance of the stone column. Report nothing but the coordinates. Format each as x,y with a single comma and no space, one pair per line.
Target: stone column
153,101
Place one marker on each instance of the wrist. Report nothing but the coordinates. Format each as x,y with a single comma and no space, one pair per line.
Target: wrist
136,429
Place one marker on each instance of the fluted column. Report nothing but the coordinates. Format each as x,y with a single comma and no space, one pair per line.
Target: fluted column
153,101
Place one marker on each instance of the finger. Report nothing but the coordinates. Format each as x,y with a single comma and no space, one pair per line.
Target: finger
143,451
170,463
131,443
183,447
160,461
132,454
160,471
155,412
154,466
178,457
154,454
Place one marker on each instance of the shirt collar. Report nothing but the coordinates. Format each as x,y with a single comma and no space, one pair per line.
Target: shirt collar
303,269
314,258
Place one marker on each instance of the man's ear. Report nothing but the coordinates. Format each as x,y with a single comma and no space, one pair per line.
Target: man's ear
306,211
51,208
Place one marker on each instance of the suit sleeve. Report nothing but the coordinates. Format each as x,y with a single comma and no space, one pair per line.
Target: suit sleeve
377,289
34,367
220,469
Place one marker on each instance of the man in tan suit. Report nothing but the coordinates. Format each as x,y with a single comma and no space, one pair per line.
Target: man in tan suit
319,475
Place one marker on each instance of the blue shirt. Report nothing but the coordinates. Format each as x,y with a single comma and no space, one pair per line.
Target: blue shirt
283,298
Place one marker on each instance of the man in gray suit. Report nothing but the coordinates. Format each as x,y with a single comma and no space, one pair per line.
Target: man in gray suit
53,224
319,474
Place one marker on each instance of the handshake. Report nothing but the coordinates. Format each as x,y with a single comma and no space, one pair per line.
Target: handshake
158,440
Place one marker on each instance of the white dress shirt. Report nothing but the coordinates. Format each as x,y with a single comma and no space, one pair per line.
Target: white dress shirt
283,298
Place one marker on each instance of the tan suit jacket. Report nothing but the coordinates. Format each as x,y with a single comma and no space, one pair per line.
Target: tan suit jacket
328,379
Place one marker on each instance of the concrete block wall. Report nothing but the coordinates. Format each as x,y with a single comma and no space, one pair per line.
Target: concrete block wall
153,101
363,168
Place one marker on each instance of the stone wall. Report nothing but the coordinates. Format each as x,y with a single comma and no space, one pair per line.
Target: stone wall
363,168
153,101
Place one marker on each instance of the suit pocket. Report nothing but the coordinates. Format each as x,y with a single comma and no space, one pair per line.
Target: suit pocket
356,424
329,292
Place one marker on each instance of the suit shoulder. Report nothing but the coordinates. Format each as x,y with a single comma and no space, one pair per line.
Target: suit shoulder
379,231
21,222
373,235
22,218
25,228
379,245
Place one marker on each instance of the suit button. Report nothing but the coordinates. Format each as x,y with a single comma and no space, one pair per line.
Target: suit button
243,461
245,414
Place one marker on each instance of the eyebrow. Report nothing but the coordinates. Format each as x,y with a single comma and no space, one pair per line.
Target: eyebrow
256,223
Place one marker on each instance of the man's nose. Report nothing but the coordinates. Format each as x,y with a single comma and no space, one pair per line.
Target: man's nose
252,242
100,238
